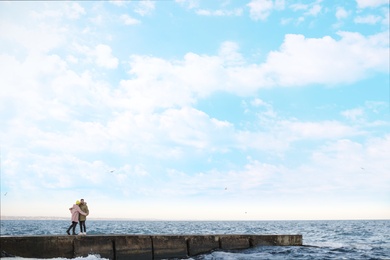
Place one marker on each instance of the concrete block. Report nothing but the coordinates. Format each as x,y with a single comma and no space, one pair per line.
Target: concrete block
38,246
169,246
230,242
289,240
120,247
202,244
276,240
133,247
263,240
93,245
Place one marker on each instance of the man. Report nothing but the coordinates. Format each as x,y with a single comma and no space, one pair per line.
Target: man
83,218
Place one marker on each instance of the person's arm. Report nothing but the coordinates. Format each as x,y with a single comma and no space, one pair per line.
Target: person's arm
81,212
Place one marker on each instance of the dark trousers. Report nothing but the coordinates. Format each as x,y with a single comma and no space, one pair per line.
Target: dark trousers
82,226
73,227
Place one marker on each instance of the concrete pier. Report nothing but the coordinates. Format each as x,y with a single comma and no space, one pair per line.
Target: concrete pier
120,247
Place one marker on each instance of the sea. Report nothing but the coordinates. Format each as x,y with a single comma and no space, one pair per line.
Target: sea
322,239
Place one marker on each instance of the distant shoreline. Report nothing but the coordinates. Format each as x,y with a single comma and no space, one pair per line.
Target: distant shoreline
68,218
133,219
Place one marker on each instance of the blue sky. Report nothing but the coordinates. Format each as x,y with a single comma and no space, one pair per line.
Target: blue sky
195,109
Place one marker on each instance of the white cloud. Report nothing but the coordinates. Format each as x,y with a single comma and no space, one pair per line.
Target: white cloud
189,3
317,130
279,4
74,11
44,38
145,7
314,10
341,13
71,11
104,57
258,102
300,61
118,2
371,3
72,59
369,19
229,53
303,61
299,6
386,19
260,9
235,12
362,163
128,20
353,114
253,175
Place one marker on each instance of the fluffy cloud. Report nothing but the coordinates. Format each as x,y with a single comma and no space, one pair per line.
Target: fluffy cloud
299,61
74,11
145,7
353,114
189,3
260,9
235,12
371,3
314,10
104,57
128,20
341,13
302,61
369,19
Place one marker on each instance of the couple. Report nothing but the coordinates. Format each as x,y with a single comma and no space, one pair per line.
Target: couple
79,212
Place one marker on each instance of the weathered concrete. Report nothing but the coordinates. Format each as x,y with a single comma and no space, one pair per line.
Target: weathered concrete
141,247
92,245
202,244
169,246
230,242
276,240
137,247
38,246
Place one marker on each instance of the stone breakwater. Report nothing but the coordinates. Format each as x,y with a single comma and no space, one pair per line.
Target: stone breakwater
119,247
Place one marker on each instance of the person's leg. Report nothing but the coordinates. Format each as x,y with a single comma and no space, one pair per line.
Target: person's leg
74,228
67,231
85,228
81,226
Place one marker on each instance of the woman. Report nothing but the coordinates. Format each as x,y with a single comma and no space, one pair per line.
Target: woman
75,211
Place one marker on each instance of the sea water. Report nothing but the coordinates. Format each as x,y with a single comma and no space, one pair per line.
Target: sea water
353,239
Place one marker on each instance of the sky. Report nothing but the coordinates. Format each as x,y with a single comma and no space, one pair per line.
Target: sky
196,109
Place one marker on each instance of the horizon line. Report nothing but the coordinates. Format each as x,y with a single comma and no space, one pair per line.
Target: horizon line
155,219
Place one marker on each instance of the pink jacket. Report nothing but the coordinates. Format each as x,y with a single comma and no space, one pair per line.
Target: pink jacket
75,211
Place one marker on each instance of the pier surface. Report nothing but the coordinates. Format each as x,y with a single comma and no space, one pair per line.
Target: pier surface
119,247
